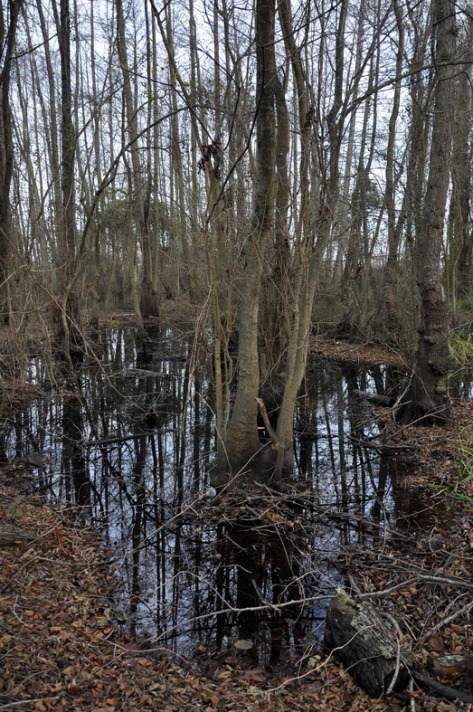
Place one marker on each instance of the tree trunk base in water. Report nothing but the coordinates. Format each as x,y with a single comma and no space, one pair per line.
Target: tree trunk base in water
362,641
259,467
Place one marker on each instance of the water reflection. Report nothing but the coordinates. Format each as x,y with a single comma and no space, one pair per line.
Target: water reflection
131,440
73,461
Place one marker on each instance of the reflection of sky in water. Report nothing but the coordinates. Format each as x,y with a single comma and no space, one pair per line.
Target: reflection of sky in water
122,446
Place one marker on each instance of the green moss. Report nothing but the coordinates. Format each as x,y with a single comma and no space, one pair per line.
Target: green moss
346,604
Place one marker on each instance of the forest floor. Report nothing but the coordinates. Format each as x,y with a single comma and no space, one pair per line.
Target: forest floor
62,649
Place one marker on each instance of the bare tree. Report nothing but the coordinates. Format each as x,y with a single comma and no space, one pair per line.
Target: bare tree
460,236
242,441
394,227
427,397
68,313
140,188
9,13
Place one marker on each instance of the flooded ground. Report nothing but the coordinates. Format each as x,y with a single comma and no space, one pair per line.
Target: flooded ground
129,444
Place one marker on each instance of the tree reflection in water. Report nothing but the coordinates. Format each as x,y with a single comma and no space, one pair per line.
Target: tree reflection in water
243,573
257,580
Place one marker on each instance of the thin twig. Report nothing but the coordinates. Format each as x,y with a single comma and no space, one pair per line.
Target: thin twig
395,625
22,703
416,579
446,621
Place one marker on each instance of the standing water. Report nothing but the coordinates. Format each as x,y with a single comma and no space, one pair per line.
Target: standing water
129,444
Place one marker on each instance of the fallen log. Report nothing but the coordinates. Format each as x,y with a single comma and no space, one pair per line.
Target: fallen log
362,641
10,535
360,638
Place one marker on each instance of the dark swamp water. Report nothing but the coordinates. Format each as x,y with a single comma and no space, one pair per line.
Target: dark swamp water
206,575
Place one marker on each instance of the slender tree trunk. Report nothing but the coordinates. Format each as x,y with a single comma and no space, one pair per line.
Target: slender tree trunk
420,90
98,271
69,306
461,247
427,400
8,23
149,296
391,273
51,122
242,440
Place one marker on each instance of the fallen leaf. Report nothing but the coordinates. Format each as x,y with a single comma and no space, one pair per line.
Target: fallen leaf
445,707
214,700
244,644
436,644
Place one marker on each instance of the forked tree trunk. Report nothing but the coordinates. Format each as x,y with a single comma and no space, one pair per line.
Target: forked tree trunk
427,398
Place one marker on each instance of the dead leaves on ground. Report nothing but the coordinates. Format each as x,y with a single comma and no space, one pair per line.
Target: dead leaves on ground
62,651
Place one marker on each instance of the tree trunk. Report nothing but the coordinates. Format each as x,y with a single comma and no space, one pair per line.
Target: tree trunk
68,307
427,398
391,271
461,246
242,440
141,191
8,24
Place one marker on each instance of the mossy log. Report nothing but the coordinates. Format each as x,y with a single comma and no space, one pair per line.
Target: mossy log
363,642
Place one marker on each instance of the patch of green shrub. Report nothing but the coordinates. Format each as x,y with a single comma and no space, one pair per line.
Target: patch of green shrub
465,471
460,344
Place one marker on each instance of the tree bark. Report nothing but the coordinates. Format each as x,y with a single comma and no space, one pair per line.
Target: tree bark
242,440
8,25
391,271
359,637
427,401
11,535
461,233
141,192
